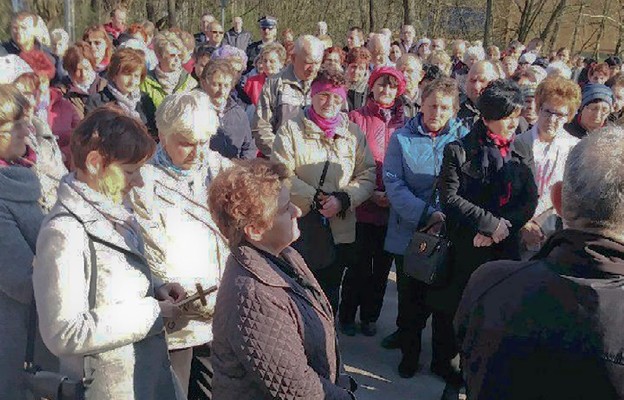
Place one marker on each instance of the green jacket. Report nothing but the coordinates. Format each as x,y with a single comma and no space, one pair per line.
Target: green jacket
155,91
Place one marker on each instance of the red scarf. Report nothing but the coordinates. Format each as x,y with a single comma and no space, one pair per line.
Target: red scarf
27,160
327,125
503,144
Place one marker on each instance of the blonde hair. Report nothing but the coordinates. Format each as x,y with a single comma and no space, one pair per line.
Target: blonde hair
189,114
166,39
13,104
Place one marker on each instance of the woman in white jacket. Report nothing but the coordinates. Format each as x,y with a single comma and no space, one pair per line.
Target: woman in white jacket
99,309
182,243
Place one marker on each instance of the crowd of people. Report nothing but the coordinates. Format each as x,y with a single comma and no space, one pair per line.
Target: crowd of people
196,216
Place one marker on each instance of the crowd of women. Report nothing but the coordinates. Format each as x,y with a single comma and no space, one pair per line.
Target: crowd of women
141,170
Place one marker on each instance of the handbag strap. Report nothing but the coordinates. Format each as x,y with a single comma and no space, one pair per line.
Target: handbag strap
32,323
323,175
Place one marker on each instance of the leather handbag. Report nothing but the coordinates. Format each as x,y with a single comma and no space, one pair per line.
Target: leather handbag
48,385
316,241
426,257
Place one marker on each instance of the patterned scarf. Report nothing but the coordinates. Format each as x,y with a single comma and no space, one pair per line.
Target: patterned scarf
168,80
127,102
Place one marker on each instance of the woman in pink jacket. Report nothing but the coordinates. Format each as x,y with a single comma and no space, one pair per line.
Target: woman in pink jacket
364,283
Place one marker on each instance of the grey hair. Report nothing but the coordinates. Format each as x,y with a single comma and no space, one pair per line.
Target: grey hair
474,51
593,182
407,57
190,114
312,42
381,38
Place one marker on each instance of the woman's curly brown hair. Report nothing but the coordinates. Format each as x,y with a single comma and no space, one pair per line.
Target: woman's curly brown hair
246,194
331,76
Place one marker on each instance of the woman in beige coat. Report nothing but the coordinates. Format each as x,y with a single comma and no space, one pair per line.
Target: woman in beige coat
182,243
99,309
320,133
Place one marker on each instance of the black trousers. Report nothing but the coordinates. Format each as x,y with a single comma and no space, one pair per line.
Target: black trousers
414,311
330,278
365,282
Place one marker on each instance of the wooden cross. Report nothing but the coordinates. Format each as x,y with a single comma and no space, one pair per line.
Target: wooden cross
200,295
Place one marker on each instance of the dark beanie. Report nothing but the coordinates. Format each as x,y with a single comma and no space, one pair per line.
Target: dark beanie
596,91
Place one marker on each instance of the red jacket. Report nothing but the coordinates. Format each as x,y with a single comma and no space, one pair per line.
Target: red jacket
253,87
62,119
378,125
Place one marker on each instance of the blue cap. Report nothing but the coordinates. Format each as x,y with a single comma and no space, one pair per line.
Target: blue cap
267,22
596,91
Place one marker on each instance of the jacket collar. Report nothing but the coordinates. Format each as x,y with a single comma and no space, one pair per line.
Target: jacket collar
288,76
583,254
93,221
270,274
416,126
19,184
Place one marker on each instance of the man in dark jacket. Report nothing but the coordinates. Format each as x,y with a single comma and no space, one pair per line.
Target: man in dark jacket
551,328
236,36
268,33
480,75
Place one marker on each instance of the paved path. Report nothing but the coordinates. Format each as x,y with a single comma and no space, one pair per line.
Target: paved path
375,368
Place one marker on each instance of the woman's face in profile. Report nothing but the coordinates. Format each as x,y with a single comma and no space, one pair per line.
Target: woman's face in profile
505,127
284,229
117,179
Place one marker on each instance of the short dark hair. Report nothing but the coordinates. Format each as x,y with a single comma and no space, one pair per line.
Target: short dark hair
331,76
500,99
116,136
431,72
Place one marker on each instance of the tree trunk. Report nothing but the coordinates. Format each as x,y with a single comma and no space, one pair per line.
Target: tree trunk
371,16
555,16
487,31
601,30
577,26
171,11
553,38
150,11
618,45
407,12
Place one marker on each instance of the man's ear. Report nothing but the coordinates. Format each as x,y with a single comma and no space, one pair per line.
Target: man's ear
556,197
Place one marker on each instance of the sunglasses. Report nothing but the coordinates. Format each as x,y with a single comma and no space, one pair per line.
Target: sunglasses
218,32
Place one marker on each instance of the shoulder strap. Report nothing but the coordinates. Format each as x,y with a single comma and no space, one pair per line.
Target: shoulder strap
323,174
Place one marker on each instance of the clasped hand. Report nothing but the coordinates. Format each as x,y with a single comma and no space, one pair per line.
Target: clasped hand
500,234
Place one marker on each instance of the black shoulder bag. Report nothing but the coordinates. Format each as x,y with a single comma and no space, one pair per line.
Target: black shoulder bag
47,384
426,257
316,242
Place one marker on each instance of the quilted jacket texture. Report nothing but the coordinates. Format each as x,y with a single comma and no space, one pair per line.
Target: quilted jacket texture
272,338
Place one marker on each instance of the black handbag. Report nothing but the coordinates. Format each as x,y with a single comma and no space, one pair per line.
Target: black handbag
426,257
316,241
50,385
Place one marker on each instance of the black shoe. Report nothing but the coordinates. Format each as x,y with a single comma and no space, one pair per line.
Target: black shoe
408,367
348,328
369,328
450,375
392,341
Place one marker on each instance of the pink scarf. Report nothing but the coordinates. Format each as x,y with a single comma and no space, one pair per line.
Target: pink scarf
327,125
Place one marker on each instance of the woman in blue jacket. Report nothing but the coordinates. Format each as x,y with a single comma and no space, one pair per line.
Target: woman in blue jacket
411,167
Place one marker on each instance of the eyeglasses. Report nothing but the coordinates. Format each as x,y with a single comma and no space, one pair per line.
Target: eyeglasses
266,28
548,113
218,32
599,108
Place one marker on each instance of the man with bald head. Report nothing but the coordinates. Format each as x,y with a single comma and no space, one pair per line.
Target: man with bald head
215,34
479,76
287,92
236,36
379,47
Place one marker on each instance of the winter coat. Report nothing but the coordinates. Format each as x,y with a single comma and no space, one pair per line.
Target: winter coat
411,108
237,39
272,338
549,328
468,113
20,220
145,107
79,99
157,94
303,148
176,222
470,199
378,125
233,138
413,160
62,119
108,328
283,97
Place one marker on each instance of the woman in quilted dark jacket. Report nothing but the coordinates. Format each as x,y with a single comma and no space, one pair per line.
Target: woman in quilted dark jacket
273,328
